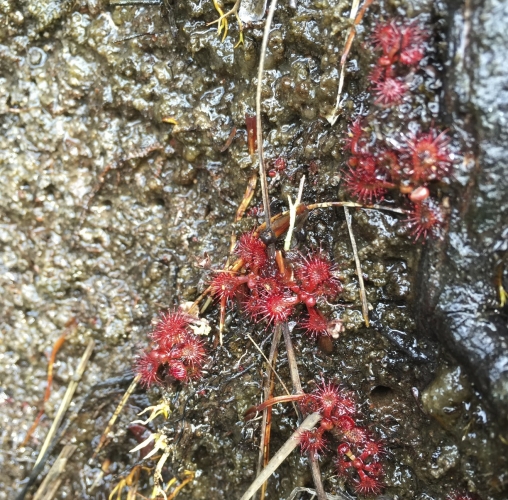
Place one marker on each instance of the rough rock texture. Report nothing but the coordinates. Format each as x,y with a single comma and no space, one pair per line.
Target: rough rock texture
107,206
460,275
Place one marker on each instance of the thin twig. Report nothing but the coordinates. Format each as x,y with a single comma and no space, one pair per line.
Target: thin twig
47,393
293,367
52,481
281,220
66,401
264,439
332,118
112,420
209,300
363,295
352,31
34,474
229,141
281,455
297,388
270,367
351,204
357,16
262,170
247,198
316,476
292,214
271,402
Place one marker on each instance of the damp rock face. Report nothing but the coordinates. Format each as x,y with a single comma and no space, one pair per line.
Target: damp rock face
117,188
443,399
460,276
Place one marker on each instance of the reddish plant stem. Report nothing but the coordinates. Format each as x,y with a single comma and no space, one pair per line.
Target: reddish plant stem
251,124
264,452
270,402
72,323
229,140
352,32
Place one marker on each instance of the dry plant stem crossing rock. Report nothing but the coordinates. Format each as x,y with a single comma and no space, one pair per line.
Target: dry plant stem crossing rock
259,127
297,388
281,455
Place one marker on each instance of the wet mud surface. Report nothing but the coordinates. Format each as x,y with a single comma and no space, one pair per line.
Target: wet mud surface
115,186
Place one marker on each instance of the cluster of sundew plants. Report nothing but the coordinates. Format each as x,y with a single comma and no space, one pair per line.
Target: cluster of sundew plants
359,451
271,294
413,162
271,286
